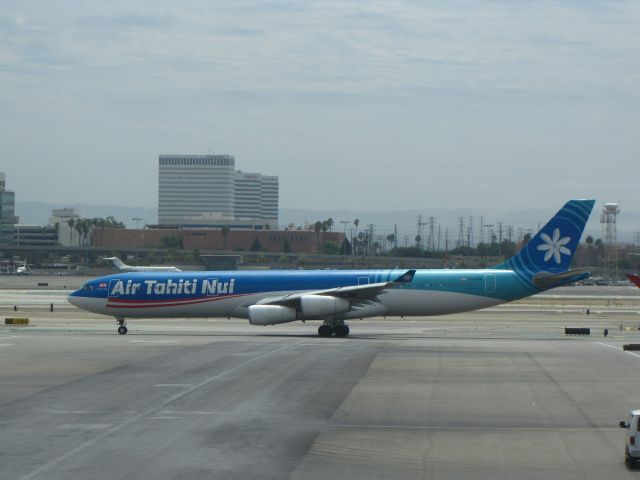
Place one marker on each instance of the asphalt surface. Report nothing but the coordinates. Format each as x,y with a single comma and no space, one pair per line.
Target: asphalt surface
492,394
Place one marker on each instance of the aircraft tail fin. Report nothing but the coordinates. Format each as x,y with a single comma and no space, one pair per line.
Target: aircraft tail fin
635,279
119,264
553,247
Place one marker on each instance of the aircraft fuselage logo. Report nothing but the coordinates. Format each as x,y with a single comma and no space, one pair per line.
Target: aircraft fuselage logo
207,286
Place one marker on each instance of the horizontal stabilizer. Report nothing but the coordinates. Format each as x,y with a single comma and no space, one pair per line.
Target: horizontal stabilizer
406,277
550,280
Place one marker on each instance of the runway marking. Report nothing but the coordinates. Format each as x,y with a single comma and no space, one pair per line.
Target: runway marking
148,412
69,412
173,385
154,341
84,426
7,344
481,428
619,349
164,418
170,412
2,337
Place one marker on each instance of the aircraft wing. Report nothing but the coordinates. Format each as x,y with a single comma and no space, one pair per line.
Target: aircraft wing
351,292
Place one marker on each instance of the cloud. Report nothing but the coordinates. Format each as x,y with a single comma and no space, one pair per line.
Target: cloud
324,86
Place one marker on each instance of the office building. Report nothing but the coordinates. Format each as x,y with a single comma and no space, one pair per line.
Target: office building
65,218
8,217
207,191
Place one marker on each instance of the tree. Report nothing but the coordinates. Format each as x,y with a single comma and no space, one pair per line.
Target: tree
71,222
317,227
391,238
256,246
345,248
356,222
330,248
225,235
172,242
329,223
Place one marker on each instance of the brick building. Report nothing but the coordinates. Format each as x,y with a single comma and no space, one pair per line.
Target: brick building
298,241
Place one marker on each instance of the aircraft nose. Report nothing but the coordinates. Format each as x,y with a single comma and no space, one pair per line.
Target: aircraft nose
73,299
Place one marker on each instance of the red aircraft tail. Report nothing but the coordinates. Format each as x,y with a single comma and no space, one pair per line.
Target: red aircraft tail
635,279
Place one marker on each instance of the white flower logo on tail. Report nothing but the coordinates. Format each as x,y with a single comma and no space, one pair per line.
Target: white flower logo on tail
554,246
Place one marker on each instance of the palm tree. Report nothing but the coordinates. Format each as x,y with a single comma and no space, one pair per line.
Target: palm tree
317,227
391,238
356,222
71,222
589,242
225,235
330,223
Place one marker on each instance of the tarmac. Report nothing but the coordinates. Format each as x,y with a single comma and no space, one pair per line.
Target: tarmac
500,393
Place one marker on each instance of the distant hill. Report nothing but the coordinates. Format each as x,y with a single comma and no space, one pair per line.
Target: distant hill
38,213
406,220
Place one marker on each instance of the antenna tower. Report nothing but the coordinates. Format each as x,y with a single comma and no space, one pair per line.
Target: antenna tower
608,220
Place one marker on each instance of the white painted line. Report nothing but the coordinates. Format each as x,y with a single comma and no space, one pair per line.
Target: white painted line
9,336
417,427
7,344
145,413
154,341
170,412
173,385
84,426
69,412
618,348
164,418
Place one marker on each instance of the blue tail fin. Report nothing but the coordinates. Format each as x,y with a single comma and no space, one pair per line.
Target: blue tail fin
552,248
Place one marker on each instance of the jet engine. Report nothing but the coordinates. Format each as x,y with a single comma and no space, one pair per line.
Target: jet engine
319,306
271,314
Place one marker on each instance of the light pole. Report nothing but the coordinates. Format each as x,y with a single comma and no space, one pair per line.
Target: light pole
137,220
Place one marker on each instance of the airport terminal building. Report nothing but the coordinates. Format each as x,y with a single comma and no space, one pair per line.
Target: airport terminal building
207,191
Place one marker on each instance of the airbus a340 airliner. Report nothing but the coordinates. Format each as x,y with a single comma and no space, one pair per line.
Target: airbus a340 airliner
272,297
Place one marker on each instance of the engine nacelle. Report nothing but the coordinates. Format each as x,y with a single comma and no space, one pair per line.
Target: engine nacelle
271,314
319,306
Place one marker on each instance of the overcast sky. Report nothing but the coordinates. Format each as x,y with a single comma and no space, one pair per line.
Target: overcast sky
376,105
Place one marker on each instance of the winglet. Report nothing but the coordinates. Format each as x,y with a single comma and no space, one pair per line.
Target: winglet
406,277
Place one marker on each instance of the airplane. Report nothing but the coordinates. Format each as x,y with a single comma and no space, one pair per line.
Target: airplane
120,265
635,279
335,296
23,269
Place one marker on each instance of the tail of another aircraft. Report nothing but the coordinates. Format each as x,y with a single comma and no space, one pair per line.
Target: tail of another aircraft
119,264
545,259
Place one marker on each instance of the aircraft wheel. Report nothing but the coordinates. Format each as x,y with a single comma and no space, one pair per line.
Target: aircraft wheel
342,331
324,330
122,330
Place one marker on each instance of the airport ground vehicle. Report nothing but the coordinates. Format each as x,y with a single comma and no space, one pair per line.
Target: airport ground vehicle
632,443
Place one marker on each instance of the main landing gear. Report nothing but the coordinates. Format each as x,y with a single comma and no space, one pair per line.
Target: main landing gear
122,329
335,327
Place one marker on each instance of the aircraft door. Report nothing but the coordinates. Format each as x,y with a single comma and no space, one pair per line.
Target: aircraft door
489,282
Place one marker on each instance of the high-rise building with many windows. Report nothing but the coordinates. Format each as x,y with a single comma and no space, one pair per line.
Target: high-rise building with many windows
206,190
7,212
